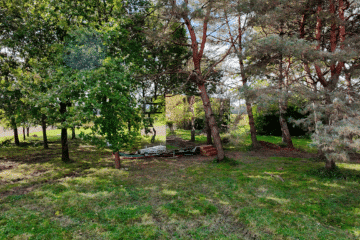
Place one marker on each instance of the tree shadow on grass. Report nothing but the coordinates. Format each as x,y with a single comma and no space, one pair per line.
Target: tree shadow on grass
336,174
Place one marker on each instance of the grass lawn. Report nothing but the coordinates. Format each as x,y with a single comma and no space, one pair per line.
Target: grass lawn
186,198
299,142
54,135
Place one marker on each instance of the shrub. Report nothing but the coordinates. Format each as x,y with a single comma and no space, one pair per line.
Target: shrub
267,122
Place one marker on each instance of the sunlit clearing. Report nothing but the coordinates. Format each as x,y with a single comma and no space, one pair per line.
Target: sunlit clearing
169,192
279,200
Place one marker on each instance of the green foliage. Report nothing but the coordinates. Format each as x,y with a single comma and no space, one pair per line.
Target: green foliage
109,89
227,160
84,49
333,174
6,142
267,121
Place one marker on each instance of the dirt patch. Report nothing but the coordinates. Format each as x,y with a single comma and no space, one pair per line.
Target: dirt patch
34,158
18,191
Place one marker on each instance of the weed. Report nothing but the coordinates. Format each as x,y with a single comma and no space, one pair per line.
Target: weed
227,160
336,173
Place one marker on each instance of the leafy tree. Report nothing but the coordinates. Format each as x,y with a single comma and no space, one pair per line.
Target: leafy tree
10,96
109,90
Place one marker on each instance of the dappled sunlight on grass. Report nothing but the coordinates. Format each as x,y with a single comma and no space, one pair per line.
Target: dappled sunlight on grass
350,166
189,196
279,200
333,185
169,192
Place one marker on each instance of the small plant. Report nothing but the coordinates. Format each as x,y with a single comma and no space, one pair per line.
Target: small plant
170,124
326,173
6,143
283,145
227,160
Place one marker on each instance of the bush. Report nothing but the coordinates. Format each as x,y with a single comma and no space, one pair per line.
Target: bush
199,123
267,123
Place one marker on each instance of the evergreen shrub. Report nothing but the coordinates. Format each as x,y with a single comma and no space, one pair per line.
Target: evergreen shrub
267,122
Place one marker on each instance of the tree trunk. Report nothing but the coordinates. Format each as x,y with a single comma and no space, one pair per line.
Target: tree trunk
221,114
28,131
43,125
153,137
64,138
330,164
16,134
350,90
24,133
286,138
198,78
16,137
117,160
212,122
73,133
208,132
184,114
191,101
255,143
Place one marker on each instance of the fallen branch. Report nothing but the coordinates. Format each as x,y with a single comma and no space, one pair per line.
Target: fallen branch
275,176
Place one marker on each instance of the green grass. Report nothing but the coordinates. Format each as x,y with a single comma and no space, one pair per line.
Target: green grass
299,142
188,198
54,135
186,135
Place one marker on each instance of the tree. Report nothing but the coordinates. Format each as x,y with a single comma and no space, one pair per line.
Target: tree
10,95
276,50
242,11
68,23
109,90
334,24
204,14
26,31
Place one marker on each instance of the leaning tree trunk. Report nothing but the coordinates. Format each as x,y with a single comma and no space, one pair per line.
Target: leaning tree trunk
43,125
28,131
198,79
191,101
212,122
64,138
208,132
